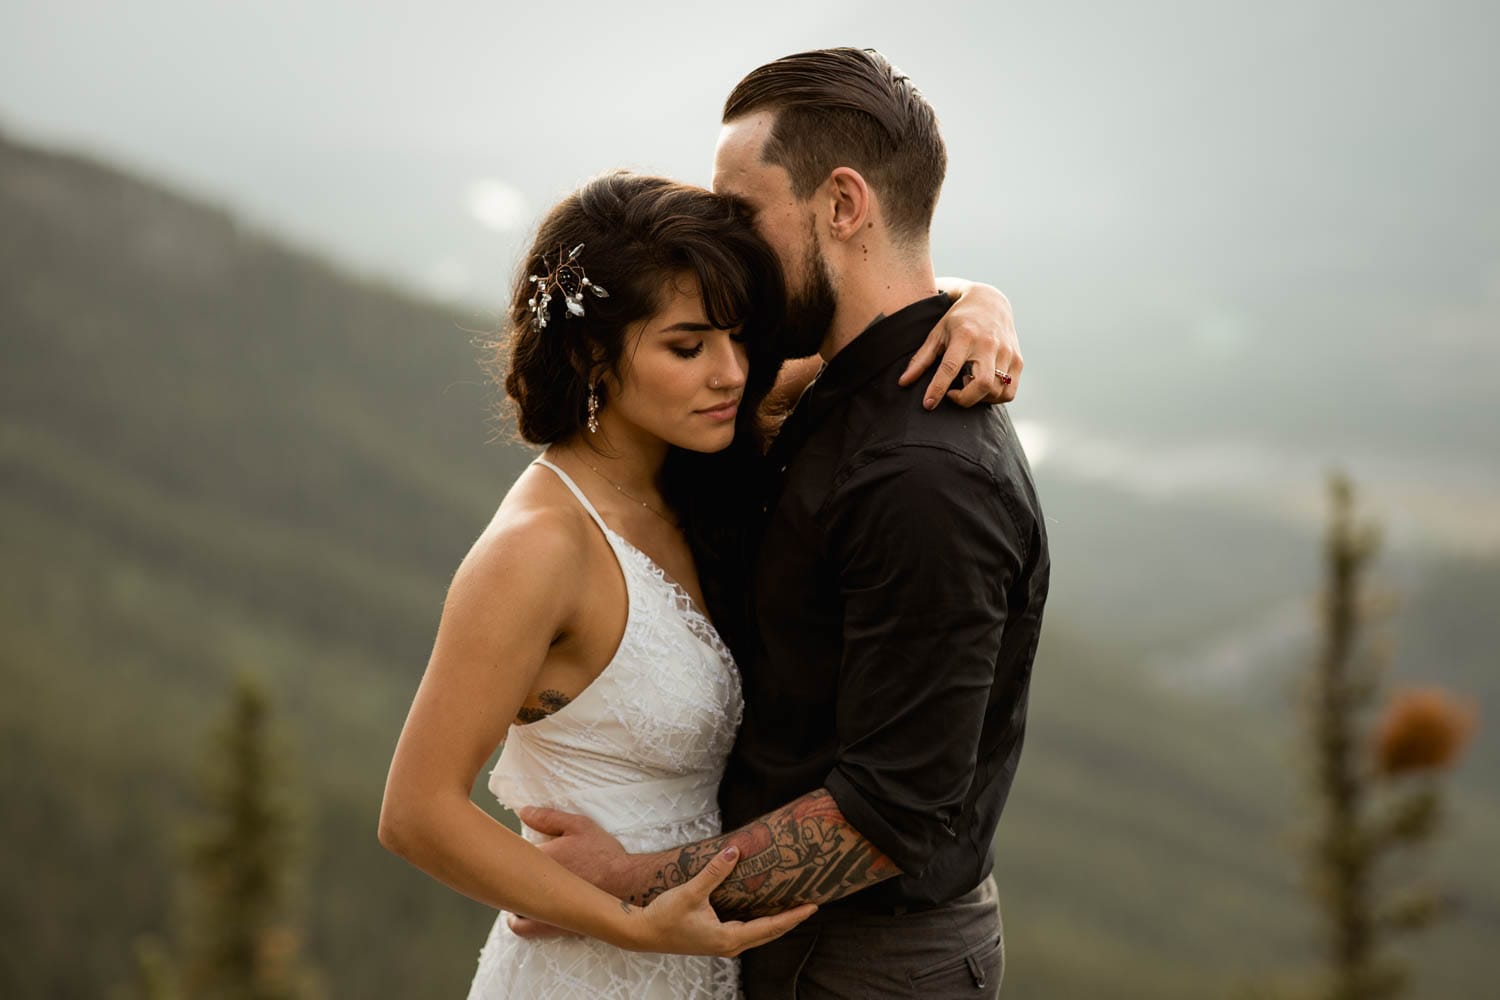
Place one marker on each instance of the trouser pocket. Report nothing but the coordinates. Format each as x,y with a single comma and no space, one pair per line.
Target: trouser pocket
974,973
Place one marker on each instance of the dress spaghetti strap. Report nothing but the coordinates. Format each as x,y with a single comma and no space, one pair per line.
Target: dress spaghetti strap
568,482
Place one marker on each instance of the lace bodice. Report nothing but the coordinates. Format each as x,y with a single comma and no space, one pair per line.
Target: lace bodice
644,745
640,751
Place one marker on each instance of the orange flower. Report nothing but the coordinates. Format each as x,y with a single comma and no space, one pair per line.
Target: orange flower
1422,729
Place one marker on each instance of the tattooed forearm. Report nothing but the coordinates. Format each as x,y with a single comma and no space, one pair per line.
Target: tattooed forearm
806,851
550,700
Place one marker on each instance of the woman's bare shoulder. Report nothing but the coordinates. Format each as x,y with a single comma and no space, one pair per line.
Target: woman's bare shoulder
539,534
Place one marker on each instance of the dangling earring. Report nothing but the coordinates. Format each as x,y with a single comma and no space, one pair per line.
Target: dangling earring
593,410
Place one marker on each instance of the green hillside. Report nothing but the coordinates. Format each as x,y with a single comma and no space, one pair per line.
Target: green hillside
219,453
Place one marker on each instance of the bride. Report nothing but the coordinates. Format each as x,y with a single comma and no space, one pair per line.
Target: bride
642,349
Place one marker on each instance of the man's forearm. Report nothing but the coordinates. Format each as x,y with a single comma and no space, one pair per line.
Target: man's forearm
806,851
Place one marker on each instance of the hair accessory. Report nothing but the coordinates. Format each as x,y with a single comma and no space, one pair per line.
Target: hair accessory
567,277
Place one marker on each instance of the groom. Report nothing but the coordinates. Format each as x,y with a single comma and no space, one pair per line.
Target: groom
900,582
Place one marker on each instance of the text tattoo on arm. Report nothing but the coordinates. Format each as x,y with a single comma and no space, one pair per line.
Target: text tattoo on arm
806,851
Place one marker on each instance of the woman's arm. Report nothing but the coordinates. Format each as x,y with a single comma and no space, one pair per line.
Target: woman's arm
795,376
510,598
979,328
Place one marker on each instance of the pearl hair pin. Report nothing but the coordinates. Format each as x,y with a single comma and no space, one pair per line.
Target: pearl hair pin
567,277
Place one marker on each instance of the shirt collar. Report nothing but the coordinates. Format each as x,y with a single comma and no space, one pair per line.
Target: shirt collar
883,342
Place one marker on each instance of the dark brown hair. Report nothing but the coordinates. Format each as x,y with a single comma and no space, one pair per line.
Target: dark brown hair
850,108
638,233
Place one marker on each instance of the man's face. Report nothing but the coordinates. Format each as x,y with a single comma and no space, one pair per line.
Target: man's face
784,222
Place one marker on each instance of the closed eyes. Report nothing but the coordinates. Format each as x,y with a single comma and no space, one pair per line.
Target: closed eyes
688,353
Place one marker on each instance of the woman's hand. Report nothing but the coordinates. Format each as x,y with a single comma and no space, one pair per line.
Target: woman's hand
681,921
686,924
979,331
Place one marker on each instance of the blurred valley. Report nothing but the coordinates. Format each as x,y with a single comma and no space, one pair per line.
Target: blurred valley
220,452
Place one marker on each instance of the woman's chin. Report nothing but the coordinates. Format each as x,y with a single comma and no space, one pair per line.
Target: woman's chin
707,441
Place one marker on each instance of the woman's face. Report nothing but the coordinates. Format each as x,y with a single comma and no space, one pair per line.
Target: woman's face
680,378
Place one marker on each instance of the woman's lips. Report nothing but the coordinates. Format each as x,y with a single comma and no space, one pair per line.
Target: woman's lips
723,412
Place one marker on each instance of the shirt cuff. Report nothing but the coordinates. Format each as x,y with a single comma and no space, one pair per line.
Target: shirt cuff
867,821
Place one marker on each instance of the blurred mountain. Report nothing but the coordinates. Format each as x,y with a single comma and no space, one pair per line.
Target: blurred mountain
217,452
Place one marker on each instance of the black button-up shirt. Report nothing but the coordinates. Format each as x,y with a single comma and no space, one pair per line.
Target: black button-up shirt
897,603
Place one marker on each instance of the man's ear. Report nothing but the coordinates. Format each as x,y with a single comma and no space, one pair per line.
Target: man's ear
851,201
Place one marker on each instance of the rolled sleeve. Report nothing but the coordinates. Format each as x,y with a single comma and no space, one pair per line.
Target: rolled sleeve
926,549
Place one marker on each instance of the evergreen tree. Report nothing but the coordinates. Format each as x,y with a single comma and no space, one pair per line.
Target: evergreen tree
240,940
1376,782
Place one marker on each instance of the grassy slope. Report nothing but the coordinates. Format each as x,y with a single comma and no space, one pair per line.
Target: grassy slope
218,454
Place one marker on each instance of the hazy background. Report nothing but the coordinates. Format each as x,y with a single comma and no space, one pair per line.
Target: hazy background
1287,205
1244,242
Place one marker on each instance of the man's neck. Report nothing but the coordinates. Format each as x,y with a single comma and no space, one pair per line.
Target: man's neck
870,295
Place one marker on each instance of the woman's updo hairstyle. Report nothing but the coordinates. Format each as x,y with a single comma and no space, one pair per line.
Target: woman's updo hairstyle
637,233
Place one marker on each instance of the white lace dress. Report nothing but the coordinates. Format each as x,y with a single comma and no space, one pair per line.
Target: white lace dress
640,751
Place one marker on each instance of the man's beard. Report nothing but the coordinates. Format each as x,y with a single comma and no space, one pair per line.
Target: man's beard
809,309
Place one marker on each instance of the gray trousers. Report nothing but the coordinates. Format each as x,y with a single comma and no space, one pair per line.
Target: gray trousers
955,950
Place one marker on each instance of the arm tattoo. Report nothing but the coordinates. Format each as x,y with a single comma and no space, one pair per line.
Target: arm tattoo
806,851
551,700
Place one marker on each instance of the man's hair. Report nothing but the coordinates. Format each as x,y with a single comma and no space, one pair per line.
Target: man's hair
850,108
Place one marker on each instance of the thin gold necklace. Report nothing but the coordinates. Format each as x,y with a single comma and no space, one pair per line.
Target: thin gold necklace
629,495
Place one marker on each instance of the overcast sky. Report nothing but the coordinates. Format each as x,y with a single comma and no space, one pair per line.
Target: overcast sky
422,139
1190,203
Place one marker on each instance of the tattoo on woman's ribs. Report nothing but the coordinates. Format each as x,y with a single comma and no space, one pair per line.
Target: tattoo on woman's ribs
551,701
